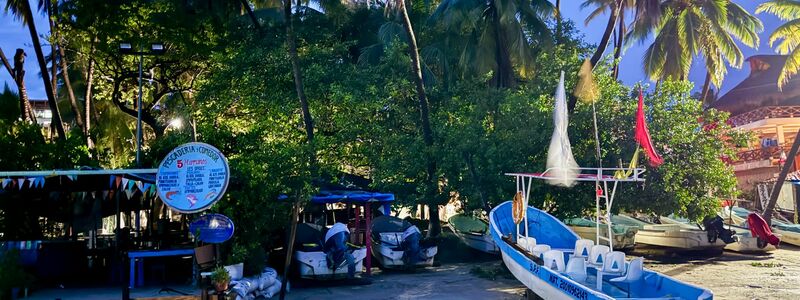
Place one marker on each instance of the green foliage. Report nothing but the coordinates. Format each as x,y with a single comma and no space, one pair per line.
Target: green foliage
12,275
9,105
220,275
22,147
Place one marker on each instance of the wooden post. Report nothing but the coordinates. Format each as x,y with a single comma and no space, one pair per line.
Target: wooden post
290,246
368,238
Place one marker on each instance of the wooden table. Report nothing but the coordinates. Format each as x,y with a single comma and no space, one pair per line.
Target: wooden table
141,254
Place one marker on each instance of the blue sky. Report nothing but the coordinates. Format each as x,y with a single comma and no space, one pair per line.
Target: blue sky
13,35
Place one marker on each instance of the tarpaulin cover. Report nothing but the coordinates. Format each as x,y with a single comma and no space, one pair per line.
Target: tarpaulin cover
389,224
466,223
354,196
759,228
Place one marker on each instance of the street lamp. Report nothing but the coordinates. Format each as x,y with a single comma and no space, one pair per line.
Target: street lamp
127,48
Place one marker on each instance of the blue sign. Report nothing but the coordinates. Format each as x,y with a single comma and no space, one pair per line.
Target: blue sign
192,177
212,228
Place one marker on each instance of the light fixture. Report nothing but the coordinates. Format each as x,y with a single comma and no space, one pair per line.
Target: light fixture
157,48
176,123
125,47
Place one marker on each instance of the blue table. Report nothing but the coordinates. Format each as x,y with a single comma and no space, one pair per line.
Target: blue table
133,255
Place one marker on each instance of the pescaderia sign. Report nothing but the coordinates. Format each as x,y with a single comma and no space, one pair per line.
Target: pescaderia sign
192,177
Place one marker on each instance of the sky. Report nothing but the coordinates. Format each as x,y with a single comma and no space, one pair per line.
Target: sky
13,35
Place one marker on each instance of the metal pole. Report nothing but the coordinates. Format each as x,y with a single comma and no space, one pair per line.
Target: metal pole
139,115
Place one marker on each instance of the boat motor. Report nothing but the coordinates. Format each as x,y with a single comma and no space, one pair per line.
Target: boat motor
412,252
335,248
715,228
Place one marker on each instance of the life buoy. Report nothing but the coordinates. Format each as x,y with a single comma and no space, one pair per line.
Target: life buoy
518,207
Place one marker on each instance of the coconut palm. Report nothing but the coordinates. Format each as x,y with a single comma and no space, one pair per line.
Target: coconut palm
701,27
21,10
646,15
499,34
788,34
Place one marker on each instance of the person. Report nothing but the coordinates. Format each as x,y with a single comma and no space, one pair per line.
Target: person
335,248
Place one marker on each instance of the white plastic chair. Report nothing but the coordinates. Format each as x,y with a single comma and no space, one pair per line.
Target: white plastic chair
582,248
613,264
526,243
634,274
596,255
576,269
538,250
554,260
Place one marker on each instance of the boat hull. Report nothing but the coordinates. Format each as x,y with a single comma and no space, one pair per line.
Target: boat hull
393,259
314,265
480,242
674,236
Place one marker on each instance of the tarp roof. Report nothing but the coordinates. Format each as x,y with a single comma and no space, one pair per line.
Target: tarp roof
351,196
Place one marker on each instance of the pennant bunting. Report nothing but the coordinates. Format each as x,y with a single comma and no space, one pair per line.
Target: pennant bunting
131,184
144,188
105,194
111,180
41,182
129,193
72,177
125,183
20,183
152,190
31,182
139,185
4,183
117,181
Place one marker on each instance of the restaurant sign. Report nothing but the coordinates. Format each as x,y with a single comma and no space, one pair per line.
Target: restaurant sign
192,177
212,228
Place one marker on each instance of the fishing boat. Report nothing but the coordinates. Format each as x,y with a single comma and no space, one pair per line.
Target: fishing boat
324,250
550,259
473,232
744,239
397,244
587,229
677,236
789,233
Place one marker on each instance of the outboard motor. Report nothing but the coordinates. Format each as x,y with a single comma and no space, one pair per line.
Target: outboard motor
714,228
335,248
412,251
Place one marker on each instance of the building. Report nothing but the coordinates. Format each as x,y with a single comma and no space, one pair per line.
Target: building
772,115
41,110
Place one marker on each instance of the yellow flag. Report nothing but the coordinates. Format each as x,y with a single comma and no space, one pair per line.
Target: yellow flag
586,89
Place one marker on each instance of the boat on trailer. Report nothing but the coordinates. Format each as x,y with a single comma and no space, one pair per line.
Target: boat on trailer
397,244
473,232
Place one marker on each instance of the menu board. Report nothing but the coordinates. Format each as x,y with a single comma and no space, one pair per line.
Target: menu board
192,177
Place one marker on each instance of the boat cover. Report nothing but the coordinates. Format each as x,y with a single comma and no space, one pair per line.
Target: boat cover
466,223
354,196
389,224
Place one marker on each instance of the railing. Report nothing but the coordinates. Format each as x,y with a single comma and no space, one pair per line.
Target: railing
761,154
767,112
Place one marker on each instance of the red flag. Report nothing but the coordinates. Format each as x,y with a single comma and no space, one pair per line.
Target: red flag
643,135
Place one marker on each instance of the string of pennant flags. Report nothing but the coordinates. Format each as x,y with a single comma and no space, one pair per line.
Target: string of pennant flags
128,186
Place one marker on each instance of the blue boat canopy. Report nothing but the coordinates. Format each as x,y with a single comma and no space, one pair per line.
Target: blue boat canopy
354,197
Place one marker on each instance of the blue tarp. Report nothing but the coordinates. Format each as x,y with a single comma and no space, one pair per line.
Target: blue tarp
354,196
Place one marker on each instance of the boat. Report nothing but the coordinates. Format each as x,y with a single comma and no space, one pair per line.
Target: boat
323,250
473,232
678,236
397,244
587,229
553,274
744,239
789,233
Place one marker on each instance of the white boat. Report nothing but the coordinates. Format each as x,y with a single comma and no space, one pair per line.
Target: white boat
473,232
745,241
587,229
559,274
678,236
311,258
397,244
789,233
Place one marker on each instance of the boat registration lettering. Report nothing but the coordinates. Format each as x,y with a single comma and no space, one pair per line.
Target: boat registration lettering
534,268
569,288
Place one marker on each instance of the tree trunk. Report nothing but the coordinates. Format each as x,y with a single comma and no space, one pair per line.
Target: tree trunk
620,41
70,93
558,21
706,87
18,75
251,14
298,77
37,46
504,74
601,48
87,98
427,133
776,190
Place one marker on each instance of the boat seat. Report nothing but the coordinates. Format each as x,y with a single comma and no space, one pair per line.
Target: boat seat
554,260
539,250
634,274
582,248
526,243
614,263
576,269
596,255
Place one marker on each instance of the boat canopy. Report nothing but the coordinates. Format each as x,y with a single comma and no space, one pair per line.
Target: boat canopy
354,197
389,224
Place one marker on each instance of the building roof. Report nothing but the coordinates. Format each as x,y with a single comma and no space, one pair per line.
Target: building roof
760,88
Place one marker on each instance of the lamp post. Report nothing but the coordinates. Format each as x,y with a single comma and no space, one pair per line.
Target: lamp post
126,48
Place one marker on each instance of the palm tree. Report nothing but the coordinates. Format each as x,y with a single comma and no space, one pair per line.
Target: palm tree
21,9
701,27
788,34
500,34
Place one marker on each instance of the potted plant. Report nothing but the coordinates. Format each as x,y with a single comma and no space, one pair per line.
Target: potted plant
220,279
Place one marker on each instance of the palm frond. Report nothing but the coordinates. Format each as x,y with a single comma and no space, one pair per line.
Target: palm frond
790,69
789,30
783,9
742,25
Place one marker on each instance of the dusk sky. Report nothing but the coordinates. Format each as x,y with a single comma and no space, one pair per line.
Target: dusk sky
13,35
